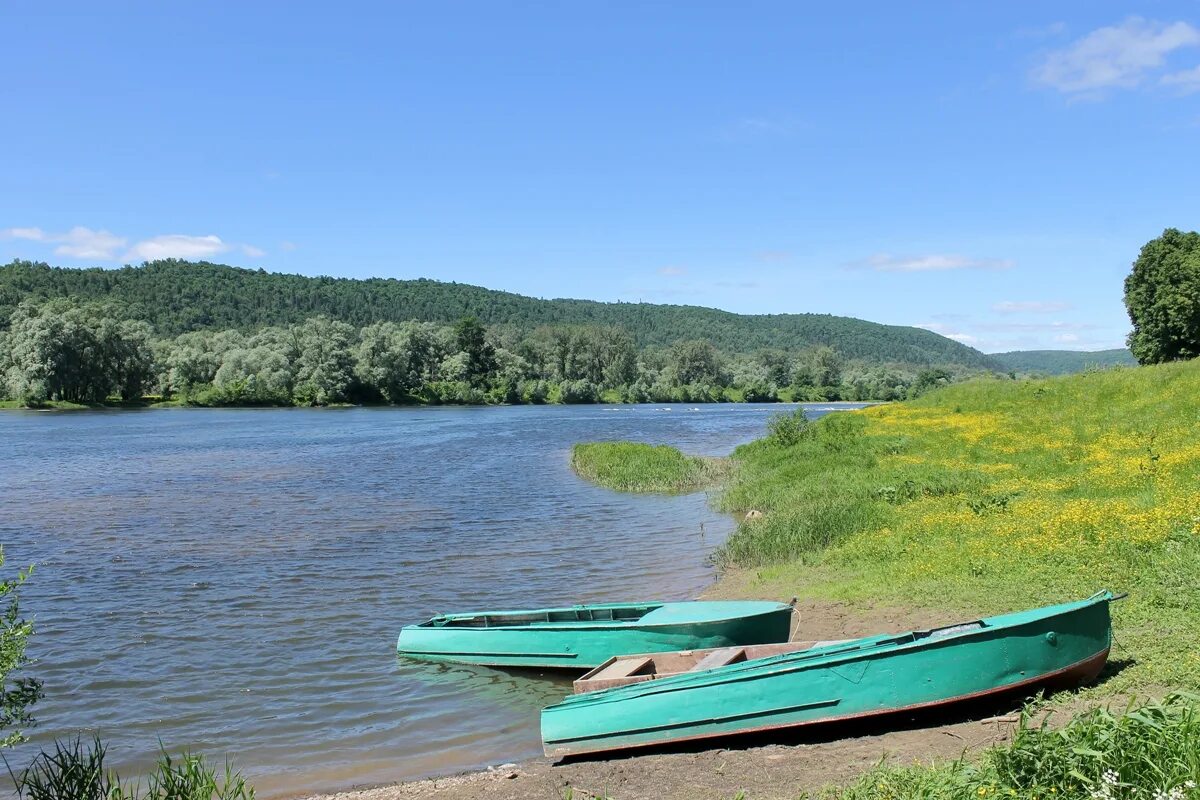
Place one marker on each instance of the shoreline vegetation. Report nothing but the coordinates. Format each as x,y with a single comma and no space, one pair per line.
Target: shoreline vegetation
989,496
209,335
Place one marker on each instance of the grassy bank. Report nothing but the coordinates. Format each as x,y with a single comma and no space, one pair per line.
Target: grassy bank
638,467
990,496
1147,752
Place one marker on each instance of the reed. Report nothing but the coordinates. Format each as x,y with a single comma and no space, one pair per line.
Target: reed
75,770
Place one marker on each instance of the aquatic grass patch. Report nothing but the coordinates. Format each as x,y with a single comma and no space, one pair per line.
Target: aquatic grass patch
1147,751
640,467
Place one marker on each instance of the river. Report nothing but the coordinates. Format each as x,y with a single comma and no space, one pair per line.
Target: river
233,581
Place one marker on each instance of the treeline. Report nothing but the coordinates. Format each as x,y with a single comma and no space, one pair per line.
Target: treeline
64,351
178,297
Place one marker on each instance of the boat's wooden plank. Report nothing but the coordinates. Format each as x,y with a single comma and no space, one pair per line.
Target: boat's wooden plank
622,668
720,657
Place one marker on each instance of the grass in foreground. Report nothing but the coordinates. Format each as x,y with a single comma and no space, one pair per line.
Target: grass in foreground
75,770
1150,752
638,467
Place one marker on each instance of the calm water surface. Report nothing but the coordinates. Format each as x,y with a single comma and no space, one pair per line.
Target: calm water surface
233,581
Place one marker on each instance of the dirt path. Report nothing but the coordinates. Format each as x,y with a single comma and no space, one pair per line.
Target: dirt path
764,770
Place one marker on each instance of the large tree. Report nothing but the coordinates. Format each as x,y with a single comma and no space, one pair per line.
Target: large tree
1162,295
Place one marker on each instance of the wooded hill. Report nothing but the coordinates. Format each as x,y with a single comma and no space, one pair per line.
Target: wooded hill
1062,362
178,296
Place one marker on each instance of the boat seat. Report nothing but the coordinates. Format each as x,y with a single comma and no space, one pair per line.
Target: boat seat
719,658
622,668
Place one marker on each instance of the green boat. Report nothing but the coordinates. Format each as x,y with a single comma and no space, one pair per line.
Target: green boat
582,637
673,697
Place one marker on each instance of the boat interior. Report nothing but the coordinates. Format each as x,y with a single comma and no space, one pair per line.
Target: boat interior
625,670
552,616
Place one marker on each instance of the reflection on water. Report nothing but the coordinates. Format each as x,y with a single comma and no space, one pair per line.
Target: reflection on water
233,581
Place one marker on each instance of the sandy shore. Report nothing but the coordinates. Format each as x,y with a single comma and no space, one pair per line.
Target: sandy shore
776,768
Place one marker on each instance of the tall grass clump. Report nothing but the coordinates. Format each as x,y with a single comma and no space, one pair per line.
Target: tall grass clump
1148,752
639,467
75,770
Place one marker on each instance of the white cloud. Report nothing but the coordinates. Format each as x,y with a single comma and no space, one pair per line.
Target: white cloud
1067,338
101,245
287,247
1186,81
1031,306
673,272
883,262
1115,56
79,242
177,245
33,234
1035,326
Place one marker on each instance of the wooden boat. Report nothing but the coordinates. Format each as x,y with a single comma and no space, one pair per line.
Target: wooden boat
807,683
582,637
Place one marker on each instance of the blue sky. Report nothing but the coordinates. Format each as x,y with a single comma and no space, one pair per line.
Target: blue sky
985,170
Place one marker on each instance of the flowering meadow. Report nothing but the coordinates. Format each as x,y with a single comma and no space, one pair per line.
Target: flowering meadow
993,496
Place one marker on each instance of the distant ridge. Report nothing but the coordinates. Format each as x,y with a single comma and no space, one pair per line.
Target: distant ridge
1062,362
178,296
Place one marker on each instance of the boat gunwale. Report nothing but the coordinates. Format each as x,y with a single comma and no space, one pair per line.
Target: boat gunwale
564,625
1084,667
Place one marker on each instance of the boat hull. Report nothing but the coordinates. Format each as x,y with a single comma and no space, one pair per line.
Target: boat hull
582,647
1054,648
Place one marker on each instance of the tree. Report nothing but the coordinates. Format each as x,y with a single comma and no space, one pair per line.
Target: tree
827,366
1162,296
17,693
325,367
481,356
694,361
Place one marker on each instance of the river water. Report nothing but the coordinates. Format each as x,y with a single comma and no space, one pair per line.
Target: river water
233,581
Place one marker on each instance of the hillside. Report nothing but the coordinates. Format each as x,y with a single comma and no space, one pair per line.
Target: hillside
178,296
1061,362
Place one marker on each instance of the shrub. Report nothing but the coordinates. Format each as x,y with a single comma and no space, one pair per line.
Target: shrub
789,428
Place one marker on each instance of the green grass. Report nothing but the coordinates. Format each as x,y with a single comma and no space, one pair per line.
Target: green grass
75,770
992,496
1148,752
638,467
979,498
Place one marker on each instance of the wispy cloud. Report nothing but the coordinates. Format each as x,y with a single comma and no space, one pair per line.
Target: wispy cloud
100,245
1035,326
933,262
1029,306
177,245
948,331
773,256
672,271
79,242
1186,81
1117,56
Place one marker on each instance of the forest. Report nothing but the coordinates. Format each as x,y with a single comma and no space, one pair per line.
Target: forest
65,351
177,297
